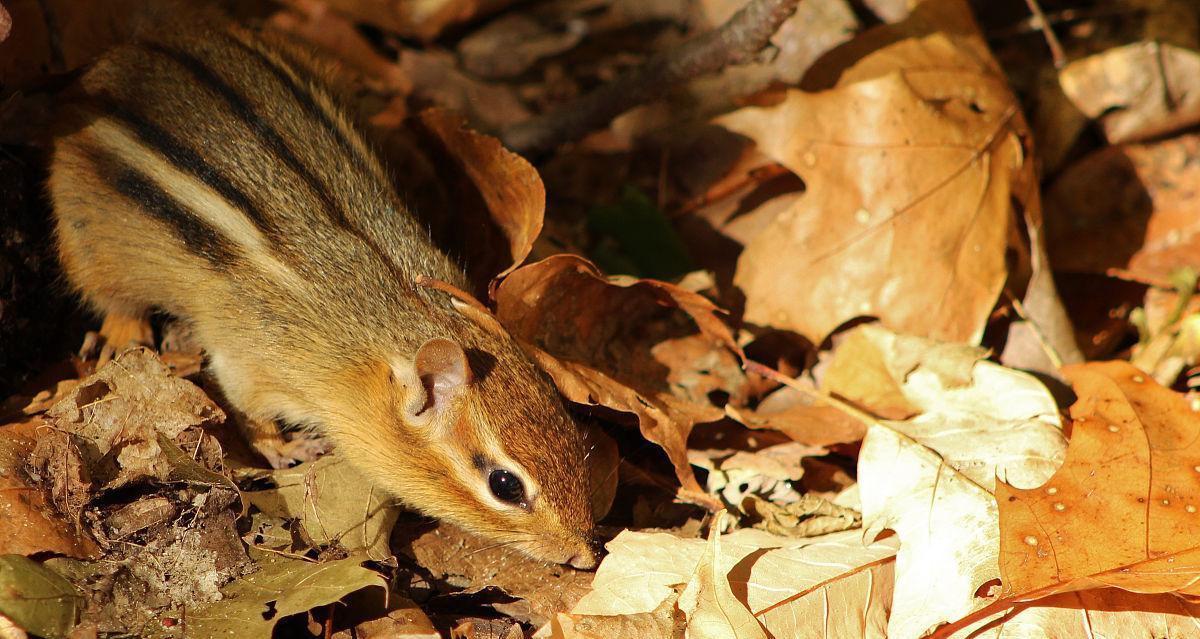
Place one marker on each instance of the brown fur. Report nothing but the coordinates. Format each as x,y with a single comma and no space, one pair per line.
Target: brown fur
212,177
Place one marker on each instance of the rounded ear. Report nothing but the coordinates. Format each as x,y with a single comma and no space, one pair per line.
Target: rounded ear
437,374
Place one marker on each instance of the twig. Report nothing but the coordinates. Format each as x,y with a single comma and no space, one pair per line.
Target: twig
736,42
1056,50
1051,353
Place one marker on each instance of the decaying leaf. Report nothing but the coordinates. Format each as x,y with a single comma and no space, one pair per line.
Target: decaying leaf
1088,614
1122,510
600,339
469,563
910,163
36,598
28,525
1137,91
333,503
282,586
931,478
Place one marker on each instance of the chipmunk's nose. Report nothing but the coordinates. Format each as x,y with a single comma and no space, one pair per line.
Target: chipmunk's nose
585,559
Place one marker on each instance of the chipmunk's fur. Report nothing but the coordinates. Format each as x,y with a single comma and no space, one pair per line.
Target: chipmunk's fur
212,176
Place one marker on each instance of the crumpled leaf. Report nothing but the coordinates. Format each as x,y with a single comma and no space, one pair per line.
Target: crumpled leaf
117,414
1137,91
282,586
334,504
36,598
707,601
910,163
602,340
931,478
1135,444
28,525
788,584
510,187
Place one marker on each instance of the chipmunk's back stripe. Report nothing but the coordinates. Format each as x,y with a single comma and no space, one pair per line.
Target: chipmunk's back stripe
284,71
187,160
268,135
189,229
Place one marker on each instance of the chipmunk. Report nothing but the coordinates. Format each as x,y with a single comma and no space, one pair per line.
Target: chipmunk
212,175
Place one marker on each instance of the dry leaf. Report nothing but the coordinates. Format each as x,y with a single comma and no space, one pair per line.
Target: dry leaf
5,23
707,601
931,478
327,498
800,417
1137,91
1123,509
467,562
600,339
509,185
1104,612
788,583
1128,207
28,525
910,164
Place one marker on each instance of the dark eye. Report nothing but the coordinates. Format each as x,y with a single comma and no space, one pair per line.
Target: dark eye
506,487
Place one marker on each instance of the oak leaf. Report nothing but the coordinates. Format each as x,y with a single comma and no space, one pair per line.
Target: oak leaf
1123,509
911,163
930,478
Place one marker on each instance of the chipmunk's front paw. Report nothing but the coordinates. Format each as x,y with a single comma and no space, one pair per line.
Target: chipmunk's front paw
118,333
281,453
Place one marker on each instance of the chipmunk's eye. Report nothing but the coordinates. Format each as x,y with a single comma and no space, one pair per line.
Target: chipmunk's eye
506,487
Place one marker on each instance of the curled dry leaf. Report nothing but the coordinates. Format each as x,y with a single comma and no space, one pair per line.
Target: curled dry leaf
1123,509
1137,91
910,164
600,339
28,525
510,187
787,583
930,478
1130,208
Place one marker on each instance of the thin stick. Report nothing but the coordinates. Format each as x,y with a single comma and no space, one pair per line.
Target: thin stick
735,42
1047,348
1056,50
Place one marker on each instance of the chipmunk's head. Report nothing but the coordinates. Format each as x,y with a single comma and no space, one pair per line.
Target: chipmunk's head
482,439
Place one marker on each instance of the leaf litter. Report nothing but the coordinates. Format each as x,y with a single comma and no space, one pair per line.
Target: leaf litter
832,429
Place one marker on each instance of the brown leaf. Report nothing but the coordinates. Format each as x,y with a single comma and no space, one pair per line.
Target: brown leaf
1137,91
910,163
28,525
509,185
1122,510
466,562
601,339
1129,208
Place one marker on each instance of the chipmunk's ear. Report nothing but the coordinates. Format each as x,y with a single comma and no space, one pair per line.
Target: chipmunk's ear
434,378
